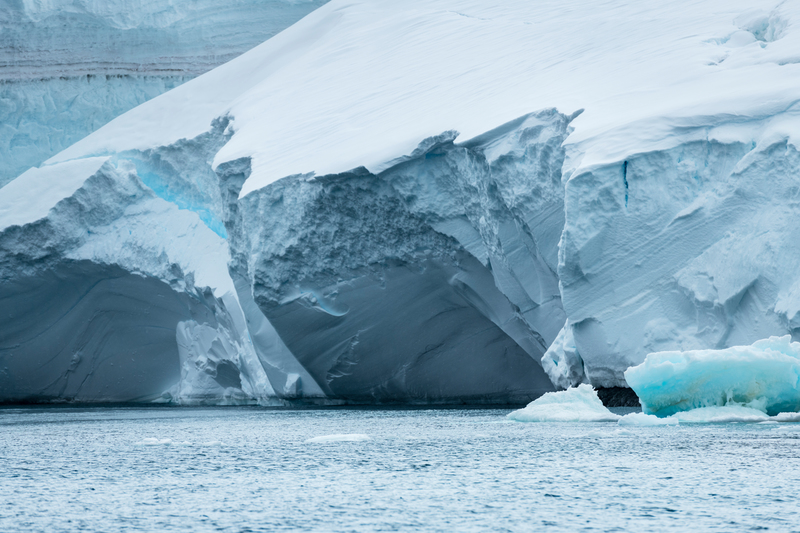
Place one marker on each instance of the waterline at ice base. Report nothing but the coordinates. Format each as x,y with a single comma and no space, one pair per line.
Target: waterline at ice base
430,203
746,384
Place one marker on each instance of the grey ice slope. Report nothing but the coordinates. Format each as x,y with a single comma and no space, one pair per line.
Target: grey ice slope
98,302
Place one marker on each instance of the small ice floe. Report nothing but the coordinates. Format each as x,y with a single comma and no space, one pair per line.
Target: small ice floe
721,415
787,417
152,441
347,437
577,404
641,419
761,377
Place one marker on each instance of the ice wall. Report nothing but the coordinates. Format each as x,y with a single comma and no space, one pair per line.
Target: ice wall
69,66
422,201
686,248
432,281
111,293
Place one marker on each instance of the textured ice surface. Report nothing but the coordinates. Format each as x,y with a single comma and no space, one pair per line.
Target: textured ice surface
111,293
576,404
765,376
69,66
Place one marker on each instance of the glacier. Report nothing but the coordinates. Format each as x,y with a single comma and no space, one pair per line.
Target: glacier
432,202
69,66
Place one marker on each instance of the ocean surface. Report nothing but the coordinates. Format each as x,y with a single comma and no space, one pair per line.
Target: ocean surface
251,469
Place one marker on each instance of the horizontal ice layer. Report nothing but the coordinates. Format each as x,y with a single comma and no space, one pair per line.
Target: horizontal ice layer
68,67
576,404
764,376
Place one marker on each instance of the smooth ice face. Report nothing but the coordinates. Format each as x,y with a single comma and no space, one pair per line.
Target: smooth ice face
763,377
577,404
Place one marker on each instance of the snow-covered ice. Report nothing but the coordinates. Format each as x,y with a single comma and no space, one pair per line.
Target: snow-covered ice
576,404
765,376
436,200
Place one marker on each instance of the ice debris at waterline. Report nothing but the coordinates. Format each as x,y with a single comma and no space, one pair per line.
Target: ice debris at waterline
642,419
764,377
576,404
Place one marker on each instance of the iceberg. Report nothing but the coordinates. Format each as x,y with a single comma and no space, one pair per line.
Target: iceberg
430,202
576,404
763,379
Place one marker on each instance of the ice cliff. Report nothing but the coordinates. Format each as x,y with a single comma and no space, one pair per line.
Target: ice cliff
69,66
431,202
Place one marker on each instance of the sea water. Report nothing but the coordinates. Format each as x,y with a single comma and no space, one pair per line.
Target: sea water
251,469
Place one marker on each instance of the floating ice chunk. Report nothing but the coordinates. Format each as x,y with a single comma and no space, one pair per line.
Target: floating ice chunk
721,415
766,376
152,441
641,419
787,417
347,437
578,404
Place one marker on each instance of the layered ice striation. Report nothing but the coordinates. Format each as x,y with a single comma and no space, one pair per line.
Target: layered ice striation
764,376
69,66
439,201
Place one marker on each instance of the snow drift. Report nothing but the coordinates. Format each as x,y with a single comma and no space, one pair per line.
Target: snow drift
442,201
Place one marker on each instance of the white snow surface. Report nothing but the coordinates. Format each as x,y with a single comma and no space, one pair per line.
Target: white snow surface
29,197
762,378
361,83
576,404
